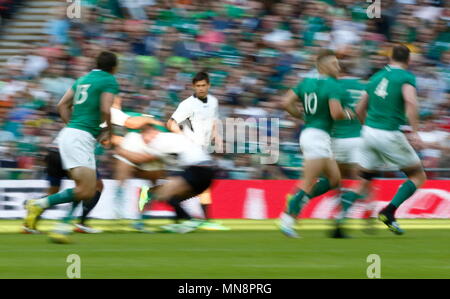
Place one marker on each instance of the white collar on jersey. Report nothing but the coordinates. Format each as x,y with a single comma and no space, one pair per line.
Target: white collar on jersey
394,67
204,102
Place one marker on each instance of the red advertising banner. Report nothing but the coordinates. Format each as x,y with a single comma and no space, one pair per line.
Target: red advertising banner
262,199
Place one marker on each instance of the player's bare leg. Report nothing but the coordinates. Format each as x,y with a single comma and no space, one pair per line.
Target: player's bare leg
207,224
176,190
88,206
152,176
349,197
122,172
348,171
85,187
311,187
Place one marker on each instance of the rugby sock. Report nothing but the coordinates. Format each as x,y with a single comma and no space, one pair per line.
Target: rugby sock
296,202
68,218
75,204
404,192
321,187
118,201
347,199
181,213
56,199
88,206
205,211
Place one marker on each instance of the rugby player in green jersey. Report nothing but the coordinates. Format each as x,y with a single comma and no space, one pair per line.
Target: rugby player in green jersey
83,108
321,99
389,102
346,140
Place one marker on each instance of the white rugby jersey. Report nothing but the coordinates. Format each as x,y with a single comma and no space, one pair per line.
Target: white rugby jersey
118,118
197,118
170,146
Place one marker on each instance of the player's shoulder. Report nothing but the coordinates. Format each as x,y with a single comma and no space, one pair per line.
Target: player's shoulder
352,82
378,74
213,99
408,74
332,83
187,100
403,76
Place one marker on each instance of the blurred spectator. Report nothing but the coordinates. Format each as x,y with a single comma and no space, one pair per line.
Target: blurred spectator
34,63
58,28
436,143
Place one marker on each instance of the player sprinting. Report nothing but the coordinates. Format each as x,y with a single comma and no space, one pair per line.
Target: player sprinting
55,175
198,167
83,108
346,138
321,99
196,117
124,134
389,102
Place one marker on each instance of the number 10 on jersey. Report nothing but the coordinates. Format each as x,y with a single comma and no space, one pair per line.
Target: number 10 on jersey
310,103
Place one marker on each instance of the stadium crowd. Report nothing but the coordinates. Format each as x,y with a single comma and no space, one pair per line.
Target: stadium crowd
254,52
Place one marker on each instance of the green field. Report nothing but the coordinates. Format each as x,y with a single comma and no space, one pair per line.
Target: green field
252,249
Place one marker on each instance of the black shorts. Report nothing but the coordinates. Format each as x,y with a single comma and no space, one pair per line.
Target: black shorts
55,171
199,177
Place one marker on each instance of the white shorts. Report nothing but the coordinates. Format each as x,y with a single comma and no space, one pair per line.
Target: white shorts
381,147
77,148
346,150
133,142
315,144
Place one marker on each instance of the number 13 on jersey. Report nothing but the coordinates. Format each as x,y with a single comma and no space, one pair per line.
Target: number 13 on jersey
81,94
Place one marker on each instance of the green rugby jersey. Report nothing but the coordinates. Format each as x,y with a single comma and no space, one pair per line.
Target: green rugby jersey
386,107
349,128
86,113
315,94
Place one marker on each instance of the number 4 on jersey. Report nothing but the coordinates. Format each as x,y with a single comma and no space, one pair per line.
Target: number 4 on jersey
381,89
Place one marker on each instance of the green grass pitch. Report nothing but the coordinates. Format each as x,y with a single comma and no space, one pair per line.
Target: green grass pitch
251,249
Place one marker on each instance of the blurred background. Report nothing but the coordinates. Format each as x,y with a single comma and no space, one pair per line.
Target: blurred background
254,51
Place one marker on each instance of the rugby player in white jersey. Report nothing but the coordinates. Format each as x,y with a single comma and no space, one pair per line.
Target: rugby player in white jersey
196,117
123,134
198,166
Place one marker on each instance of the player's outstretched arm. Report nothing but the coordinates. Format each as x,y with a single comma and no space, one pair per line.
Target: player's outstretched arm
173,126
107,100
288,103
65,105
410,97
183,112
137,122
133,157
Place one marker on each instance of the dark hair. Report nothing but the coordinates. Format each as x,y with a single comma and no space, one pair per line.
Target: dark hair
324,53
400,53
200,76
106,61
